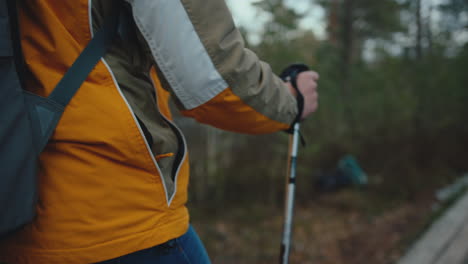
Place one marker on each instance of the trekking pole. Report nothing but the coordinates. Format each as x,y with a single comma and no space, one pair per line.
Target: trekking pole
290,193
290,75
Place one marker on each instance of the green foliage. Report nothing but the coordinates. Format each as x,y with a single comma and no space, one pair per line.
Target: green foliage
282,43
408,130
283,20
408,125
282,53
371,19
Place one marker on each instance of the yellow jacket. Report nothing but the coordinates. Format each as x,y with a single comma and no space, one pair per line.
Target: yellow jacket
113,178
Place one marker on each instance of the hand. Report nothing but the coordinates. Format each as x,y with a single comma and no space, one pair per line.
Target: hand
307,84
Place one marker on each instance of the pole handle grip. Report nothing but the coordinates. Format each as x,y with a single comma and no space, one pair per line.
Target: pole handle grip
290,75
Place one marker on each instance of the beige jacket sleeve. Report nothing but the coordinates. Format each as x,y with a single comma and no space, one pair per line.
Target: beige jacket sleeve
202,56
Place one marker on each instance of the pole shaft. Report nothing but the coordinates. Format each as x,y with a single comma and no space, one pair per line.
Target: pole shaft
289,206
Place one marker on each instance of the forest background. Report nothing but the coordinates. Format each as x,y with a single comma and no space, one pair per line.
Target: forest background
393,93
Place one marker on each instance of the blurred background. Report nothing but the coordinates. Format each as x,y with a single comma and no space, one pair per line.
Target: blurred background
393,95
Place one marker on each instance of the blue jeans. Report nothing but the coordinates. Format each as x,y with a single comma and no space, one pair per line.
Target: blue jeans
187,249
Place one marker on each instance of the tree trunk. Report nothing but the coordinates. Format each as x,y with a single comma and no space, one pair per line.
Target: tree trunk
418,30
333,22
347,48
430,37
347,34
212,151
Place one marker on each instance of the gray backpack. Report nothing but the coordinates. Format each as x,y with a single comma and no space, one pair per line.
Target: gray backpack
27,120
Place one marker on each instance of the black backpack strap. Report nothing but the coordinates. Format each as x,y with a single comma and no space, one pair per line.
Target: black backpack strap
15,40
45,113
94,51
27,120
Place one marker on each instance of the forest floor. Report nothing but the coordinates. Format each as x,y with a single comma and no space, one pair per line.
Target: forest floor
342,227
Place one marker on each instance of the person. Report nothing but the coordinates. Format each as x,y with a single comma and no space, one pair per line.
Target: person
113,178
